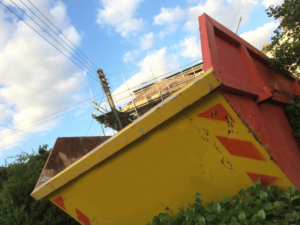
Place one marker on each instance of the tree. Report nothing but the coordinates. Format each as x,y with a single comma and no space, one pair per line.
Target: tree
285,44
17,180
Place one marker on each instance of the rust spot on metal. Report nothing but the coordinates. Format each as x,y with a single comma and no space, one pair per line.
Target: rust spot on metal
214,114
230,124
226,163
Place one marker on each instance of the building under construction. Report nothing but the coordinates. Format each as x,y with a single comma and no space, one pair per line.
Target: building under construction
149,96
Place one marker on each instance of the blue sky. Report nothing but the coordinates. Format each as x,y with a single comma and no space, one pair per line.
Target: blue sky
119,36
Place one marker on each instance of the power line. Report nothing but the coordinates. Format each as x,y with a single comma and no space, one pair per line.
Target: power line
90,126
48,116
49,34
19,130
61,32
49,42
56,33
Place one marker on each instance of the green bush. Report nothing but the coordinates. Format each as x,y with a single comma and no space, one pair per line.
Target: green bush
17,181
256,205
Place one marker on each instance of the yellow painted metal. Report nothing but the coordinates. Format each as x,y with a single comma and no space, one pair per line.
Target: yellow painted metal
161,161
163,111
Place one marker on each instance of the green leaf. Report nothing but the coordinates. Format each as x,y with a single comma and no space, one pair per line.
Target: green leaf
223,213
210,217
279,204
268,206
225,219
285,195
261,214
224,200
209,207
263,195
233,219
182,206
250,190
295,197
289,217
292,190
242,216
234,199
234,223
198,198
201,220
249,199
217,208
258,182
253,185
242,193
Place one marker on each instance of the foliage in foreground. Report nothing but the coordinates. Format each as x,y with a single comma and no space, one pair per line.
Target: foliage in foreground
256,205
292,112
286,51
17,181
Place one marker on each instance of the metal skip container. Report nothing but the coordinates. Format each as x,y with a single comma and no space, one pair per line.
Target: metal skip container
216,135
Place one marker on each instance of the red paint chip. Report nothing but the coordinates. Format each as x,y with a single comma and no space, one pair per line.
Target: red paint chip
265,179
216,112
82,218
60,202
241,148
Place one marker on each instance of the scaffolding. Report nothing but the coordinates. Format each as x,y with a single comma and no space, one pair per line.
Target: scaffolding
147,95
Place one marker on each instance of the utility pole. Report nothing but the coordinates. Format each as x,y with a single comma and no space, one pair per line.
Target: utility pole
109,98
238,25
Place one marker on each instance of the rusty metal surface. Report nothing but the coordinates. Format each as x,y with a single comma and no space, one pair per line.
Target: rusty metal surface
66,151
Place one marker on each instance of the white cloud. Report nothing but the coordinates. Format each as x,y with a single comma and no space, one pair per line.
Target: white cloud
110,132
130,56
261,35
5,113
168,30
227,12
146,41
267,3
190,48
168,16
35,79
119,14
159,61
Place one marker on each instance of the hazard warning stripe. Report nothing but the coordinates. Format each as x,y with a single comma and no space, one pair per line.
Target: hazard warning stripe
241,148
217,112
265,179
82,218
60,202
237,147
